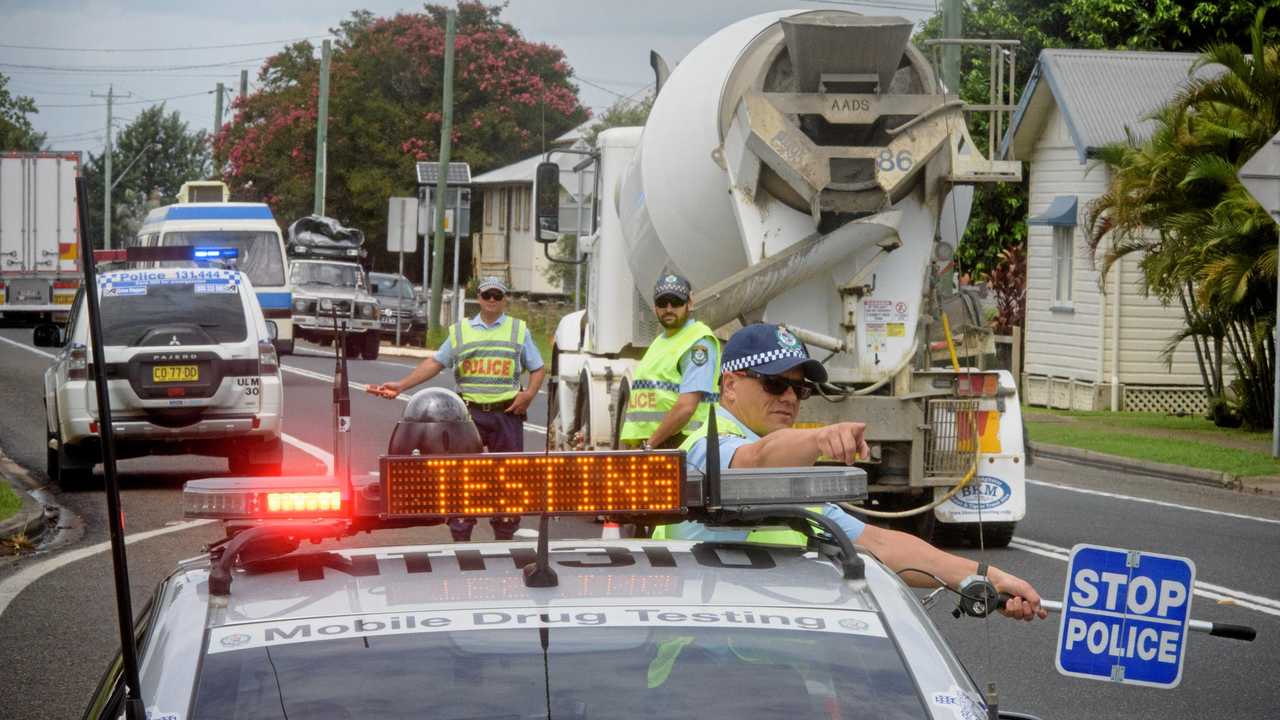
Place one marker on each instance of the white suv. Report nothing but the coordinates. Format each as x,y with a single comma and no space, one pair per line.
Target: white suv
191,369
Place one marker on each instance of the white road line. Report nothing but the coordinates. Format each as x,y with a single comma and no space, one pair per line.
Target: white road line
28,348
1203,589
14,585
1161,503
403,397
316,452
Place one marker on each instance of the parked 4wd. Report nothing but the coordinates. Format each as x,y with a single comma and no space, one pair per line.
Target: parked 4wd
190,365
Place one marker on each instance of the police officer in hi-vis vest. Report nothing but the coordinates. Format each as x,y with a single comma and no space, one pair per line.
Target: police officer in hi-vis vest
488,353
677,378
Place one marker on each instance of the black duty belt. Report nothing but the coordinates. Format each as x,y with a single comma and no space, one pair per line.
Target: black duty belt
489,407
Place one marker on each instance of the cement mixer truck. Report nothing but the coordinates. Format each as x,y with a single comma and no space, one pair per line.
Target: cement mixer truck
806,168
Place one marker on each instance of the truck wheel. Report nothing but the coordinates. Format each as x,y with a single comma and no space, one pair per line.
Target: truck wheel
619,412
580,432
354,344
372,345
994,534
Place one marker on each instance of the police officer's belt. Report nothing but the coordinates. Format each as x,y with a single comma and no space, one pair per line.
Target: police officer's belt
489,407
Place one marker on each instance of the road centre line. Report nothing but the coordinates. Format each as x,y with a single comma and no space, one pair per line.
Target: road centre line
28,348
12,586
1203,589
403,397
1161,503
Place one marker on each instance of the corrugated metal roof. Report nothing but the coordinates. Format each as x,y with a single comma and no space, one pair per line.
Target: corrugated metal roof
1102,92
518,172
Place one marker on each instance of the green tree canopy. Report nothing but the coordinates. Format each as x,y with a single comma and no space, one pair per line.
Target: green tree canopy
165,153
16,132
385,112
999,214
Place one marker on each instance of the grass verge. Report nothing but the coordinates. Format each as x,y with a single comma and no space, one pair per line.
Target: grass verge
1188,441
9,501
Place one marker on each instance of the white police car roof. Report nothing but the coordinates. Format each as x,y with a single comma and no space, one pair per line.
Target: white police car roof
321,589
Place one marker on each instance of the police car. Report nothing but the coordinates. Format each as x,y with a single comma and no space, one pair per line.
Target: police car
263,626
191,369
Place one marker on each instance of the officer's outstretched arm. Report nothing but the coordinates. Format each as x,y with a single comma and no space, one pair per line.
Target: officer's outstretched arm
427,369
899,551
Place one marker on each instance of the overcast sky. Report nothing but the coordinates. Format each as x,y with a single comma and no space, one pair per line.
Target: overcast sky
607,43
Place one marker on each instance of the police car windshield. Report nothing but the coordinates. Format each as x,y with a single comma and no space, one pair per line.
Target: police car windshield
259,254
208,313
319,273
325,670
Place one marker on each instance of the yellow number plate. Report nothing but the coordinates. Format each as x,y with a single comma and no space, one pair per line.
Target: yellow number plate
175,373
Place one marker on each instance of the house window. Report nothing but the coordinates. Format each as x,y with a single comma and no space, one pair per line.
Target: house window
489,199
1063,249
502,208
522,208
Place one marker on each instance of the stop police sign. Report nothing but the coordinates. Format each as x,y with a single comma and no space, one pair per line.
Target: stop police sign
1125,616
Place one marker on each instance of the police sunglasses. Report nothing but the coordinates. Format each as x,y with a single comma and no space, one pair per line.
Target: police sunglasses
777,385
668,301
492,295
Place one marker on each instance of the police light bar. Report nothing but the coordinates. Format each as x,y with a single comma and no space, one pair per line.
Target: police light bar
165,253
585,483
792,486
264,498
217,253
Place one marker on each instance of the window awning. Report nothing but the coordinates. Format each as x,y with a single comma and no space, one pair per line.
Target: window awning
1061,212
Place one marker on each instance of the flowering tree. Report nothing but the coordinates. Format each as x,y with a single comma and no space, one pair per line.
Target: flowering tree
385,111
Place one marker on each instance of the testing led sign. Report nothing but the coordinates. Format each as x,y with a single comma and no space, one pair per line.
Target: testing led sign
517,483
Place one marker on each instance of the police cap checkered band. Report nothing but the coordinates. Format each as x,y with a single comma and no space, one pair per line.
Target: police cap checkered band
672,284
493,282
770,350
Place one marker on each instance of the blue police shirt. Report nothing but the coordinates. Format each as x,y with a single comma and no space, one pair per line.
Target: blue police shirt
699,378
530,358
696,462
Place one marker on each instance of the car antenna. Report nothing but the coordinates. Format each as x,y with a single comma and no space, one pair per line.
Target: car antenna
341,404
711,478
135,708
539,572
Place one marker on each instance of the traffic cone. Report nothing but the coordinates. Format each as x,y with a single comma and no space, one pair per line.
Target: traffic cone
610,531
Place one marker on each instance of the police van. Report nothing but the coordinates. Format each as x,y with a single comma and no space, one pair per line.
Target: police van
251,230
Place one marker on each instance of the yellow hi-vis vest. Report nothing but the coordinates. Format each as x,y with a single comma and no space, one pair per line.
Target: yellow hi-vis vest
487,360
655,388
726,424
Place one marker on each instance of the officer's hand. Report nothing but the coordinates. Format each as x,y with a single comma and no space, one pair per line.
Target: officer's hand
845,442
387,390
1025,603
520,403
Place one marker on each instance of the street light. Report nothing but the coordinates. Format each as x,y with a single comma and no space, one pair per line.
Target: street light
133,162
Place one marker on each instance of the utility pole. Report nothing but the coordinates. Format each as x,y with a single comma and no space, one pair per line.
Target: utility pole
106,180
952,27
442,183
322,130
217,109
244,84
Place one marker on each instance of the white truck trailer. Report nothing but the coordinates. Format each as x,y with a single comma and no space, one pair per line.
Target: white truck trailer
39,238
805,167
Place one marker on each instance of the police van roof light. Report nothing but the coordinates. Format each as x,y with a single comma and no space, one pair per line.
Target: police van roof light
792,486
224,253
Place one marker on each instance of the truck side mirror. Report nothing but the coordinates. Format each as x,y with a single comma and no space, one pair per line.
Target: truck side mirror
46,335
548,202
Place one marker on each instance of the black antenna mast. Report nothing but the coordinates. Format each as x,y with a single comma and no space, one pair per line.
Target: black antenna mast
134,707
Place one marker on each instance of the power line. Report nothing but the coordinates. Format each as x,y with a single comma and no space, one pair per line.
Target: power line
140,101
169,49
128,68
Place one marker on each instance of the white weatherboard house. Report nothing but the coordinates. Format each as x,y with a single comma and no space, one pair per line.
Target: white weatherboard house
1090,347
506,245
